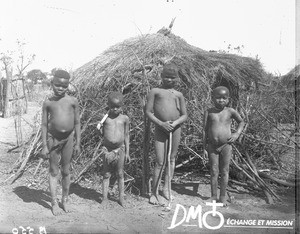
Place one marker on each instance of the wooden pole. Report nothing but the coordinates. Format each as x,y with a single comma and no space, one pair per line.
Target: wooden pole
146,167
8,70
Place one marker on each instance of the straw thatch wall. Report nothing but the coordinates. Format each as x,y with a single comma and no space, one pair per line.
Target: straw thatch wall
133,67
122,61
290,81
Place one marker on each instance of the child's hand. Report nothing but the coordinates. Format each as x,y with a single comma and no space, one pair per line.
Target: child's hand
127,158
172,124
76,151
233,137
205,154
45,153
167,126
99,126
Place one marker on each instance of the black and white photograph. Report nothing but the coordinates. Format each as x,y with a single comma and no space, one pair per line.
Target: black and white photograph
139,116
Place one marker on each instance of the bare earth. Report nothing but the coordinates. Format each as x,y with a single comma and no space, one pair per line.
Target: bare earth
24,206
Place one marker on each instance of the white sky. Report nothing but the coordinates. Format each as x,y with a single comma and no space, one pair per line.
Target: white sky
70,33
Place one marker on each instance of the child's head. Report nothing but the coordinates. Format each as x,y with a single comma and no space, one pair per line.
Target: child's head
115,102
169,75
60,82
220,96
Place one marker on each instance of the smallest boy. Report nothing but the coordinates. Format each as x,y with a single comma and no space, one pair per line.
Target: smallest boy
115,145
218,137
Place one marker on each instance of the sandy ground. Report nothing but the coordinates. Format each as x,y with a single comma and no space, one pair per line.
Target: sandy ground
22,205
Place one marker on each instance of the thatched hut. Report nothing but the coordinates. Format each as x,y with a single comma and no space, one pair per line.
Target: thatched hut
124,63
133,67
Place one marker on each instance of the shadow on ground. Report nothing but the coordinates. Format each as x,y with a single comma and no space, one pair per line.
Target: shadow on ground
29,195
85,193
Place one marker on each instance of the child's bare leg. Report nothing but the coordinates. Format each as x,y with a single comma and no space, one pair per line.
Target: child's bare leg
214,171
105,185
120,175
65,172
174,150
225,157
159,146
53,177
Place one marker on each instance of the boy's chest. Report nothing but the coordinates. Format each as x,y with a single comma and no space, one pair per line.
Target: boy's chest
116,123
167,95
222,117
61,105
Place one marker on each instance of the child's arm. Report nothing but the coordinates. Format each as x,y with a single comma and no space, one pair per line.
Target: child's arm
149,112
236,116
77,129
44,129
126,139
204,132
183,112
101,122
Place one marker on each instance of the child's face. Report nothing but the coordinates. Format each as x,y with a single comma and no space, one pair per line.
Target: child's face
221,99
115,106
169,82
60,86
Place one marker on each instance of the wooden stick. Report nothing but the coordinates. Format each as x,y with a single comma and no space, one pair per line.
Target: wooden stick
278,181
259,180
169,167
102,121
267,142
185,162
95,157
37,168
296,143
146,186
28,153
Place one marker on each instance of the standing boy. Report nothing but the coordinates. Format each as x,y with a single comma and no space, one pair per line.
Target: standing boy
167,110
218,137
60,117
115,145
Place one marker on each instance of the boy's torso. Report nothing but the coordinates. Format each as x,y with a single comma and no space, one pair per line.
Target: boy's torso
114,132
61,117
166,104
218,126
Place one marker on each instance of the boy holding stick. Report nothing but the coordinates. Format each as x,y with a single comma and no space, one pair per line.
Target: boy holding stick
218,137
166,108
115,144
60,119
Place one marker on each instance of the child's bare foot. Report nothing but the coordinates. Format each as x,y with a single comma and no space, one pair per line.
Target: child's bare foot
65,205
166,194
213,199
224,201
122,202
105,203
154,200
55,208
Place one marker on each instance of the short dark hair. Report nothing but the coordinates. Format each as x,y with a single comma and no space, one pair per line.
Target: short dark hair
62,74
115,95
170,70
220,88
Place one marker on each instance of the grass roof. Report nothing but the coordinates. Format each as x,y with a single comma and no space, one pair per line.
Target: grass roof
150,51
